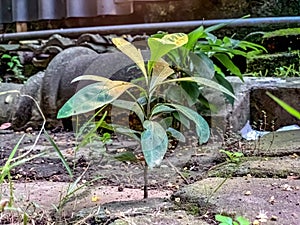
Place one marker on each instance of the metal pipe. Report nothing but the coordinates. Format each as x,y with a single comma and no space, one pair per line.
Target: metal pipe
182,26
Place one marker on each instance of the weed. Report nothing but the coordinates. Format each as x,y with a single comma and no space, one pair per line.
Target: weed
287,71
156,117
227,220
14,161
233,157
11,69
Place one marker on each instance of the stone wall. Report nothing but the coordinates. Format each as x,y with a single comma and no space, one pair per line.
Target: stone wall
218,9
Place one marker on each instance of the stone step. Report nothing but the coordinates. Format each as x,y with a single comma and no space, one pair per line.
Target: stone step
276,201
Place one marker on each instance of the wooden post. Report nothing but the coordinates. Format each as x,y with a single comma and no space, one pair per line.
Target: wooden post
21,27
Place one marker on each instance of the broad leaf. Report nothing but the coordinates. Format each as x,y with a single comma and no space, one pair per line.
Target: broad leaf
192,90
194,36
161,46
161,108
202,81
132,106
225,83
180,95
161,71
183,120
126,131
202,127
132,52
242,220
154,141
203,66
223,219
93,96
227,62
176,134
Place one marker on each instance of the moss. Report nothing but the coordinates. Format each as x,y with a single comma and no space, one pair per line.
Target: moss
282,32
268,63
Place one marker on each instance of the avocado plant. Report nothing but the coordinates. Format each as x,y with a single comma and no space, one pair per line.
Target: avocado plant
154,115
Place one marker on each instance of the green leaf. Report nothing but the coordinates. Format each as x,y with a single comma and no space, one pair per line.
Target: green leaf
176,134
5,170
227,62
215,27
88,131
161,46
285,106
242,220
10,64
178,94
192,90
5,56
126,131
203,66
225,83
154,141
132,52
183,120
202,127
161,108
223,219
93,96
132,106
202,81
60,155
194,36
161,71
220,25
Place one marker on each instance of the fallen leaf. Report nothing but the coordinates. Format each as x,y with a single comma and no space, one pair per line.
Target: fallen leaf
95,198
3,203
5,126
247,193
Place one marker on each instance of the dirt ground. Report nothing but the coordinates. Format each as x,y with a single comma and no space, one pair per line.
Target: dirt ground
96,161
47,182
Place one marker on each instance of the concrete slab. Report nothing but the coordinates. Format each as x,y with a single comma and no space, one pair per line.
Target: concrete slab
277,199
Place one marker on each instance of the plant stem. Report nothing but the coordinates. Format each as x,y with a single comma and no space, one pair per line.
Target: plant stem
146,181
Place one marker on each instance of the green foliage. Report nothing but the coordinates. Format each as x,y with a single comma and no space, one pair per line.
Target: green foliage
287,71
172,81
282,32
234,157
15,160
226,220
11,69
281,72
285,106
204,54
154,115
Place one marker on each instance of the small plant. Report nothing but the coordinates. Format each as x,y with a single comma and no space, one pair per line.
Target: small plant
155,116
234,157
287,71
11,69
226,220
15,160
